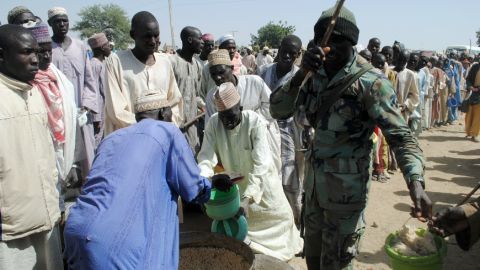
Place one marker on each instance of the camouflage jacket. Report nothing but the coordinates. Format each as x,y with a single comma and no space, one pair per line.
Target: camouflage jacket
345,132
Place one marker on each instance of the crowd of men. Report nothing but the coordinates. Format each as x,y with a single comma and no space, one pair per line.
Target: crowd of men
96,150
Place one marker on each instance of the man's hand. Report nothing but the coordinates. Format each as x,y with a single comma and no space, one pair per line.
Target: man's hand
449,221
74,178
222,182
167,114
422,204
244,206
312,61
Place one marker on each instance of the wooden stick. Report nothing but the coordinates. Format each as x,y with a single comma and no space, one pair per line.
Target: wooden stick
469,195
188,124
328,32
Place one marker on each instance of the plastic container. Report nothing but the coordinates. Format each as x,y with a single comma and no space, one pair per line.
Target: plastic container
223,205
402,262
232,227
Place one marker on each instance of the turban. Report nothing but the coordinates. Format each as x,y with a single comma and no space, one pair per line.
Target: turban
97,40
12,14
219,57
150,101
39,31
224,38
207,37
345,26
55,11
226,96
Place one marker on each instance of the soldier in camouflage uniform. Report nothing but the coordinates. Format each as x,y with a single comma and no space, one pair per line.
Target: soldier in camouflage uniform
337,177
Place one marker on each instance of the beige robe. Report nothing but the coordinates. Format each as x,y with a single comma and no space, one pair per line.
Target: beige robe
127,78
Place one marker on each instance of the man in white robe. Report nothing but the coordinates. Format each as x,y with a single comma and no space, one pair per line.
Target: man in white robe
275,76
239,139
406,86
254,95
132,73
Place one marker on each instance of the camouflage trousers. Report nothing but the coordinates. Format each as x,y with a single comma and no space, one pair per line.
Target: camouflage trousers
332,235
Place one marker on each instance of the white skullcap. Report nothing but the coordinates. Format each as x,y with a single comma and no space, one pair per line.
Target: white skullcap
224,38
56,11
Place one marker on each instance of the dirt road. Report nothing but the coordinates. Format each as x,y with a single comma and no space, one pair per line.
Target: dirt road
452,170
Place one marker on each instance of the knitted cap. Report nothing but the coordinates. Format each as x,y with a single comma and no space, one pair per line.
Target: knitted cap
219,57
12,14
56,11
97,40
39,31
226,96
345,26
150,101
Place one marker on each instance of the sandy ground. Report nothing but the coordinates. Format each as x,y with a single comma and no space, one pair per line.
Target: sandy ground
452,170
453,163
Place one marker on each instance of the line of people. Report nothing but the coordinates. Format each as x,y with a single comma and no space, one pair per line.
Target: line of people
429,90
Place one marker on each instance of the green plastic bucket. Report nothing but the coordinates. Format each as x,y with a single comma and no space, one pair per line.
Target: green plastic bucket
402,262
232,227
223,205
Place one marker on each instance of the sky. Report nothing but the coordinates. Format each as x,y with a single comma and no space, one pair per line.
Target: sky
425,24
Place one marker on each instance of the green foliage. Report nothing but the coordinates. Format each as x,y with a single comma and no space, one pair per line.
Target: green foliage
478,37
272,34
110,19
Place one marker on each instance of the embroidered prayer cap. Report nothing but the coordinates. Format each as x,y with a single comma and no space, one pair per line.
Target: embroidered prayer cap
55,11
224,38
150,101
226,96
219,57
345,26
39,31
207,37
12,14
97,40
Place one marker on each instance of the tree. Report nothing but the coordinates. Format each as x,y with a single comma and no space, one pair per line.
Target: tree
272,34
110,19
478,37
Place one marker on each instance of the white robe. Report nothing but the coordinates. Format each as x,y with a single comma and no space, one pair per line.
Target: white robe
254,96
127,78
407,91
65,154
245,150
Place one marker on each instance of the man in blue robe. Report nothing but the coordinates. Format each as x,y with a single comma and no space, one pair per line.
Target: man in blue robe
126,216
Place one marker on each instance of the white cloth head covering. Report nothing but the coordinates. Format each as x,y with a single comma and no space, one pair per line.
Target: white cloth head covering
224,38
56,11
226,96
150,101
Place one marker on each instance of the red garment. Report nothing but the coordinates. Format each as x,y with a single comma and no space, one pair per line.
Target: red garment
46,82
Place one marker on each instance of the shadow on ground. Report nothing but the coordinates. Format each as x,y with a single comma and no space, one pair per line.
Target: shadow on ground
436,138
456,166
475,152
373,258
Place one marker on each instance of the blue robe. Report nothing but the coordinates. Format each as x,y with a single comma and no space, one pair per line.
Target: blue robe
126,216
